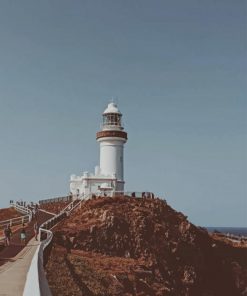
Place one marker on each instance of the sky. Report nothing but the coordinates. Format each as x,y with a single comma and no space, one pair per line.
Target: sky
177,70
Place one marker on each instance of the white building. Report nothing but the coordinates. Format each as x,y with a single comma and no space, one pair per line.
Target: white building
109,175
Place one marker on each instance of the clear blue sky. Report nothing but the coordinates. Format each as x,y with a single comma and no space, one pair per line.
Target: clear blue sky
178,69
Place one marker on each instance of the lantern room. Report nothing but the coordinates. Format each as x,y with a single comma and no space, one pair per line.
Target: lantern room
112,117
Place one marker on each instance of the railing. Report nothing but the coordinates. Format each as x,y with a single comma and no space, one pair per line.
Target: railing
19,220
120,193
36,278
231,236
44,228
76,203
22,209
70,207
55,199
143,194
14,221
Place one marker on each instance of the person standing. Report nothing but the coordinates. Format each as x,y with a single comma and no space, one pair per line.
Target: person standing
7,235
36,230
36,211
23,235
33,213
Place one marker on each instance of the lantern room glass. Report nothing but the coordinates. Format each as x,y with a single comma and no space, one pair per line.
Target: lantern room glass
112,119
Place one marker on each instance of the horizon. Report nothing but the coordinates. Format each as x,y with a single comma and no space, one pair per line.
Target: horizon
178,71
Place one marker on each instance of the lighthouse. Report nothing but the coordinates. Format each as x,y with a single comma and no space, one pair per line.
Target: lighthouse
108,177
112,138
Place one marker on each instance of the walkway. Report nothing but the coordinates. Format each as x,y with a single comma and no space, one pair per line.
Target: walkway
15,260
15,245
13,273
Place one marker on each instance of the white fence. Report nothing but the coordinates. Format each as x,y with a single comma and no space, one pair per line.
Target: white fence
136,194
19,220
56,199
118,193
36,282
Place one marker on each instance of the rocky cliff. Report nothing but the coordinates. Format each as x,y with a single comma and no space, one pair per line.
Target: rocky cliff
129,246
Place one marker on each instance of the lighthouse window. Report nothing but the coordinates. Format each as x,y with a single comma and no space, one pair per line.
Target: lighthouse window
112,119
104,120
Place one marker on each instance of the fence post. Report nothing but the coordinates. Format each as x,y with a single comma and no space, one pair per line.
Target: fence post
39,238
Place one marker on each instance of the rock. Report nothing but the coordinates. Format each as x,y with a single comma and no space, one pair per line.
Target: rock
189,275
92,229
72,240
184,227
143,247
104,215
240,277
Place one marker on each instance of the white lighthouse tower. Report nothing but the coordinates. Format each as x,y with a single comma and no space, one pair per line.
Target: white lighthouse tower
109,175
112,139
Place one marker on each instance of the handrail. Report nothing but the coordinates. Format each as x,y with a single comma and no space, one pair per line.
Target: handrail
55,199
230,236
71,206
12,219
143,194
36,279
36,275
18,220
22,209
79,201
47,212
112,193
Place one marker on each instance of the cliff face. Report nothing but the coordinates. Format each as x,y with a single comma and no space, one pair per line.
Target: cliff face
129,246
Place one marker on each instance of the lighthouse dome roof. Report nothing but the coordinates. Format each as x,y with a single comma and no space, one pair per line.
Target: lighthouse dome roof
112,108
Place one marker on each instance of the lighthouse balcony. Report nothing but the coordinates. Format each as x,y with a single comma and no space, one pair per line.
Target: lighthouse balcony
110,133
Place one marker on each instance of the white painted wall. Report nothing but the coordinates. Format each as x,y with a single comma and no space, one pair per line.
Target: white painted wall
112,157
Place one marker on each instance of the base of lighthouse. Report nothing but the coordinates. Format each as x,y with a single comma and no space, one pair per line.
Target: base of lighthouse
98,184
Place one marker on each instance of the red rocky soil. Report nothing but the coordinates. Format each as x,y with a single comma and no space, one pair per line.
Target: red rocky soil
55,207
129,246
9,213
